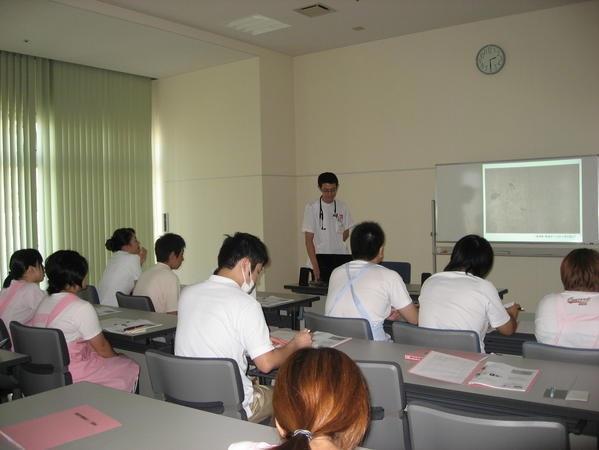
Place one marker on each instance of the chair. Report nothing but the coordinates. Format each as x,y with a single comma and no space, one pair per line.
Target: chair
536,350
5,343
209,384
49,366
342,326
404,269
89,294
462,340
388,423
432,426
140,302
8,383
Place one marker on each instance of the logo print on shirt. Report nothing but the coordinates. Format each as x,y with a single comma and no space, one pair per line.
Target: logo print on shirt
579,301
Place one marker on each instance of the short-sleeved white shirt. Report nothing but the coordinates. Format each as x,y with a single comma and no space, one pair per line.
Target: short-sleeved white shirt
24,303
78,321
120,274
460,301
378,288
568,319
329,240
161,284
218,320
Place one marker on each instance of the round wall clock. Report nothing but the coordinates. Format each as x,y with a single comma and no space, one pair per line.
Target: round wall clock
490,59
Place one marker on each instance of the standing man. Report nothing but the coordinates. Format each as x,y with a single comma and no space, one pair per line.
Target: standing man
326,222
159,282
220,319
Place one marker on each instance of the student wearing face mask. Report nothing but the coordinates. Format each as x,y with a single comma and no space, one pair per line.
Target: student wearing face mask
220,319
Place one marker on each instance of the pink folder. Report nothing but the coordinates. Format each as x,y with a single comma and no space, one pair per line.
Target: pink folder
59,428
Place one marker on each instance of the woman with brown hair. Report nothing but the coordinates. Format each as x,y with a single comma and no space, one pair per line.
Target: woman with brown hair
320,403
571,318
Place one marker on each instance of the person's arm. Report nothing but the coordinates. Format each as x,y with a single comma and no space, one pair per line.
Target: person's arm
101,346
274,358
410,313
345,235
511,325
311,249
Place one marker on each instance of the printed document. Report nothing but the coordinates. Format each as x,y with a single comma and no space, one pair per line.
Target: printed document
444,367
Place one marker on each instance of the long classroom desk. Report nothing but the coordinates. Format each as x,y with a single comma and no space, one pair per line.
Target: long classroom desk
494,401
294,305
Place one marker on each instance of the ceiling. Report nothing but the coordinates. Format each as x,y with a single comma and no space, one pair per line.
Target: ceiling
159,38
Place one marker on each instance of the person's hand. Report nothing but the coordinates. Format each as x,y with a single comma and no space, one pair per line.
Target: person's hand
316,271
142,255
303,339
514,310
395,314
278,342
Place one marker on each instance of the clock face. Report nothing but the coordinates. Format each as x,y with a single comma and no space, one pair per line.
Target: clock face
490,59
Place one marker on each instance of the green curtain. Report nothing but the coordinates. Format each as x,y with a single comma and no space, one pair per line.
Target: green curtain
94,165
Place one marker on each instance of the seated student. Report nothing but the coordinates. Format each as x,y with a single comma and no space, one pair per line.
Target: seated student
159,282
92,357
218,318
320,403
571,318
461,299
124,268
21,294
364,289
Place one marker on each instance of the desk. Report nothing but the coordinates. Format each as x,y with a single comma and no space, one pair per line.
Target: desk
294,305
10,359
494,401
496,342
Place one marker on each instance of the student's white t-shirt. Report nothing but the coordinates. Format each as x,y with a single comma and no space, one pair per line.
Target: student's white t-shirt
121,272
161,284
217,319
329,240
378,288
460,301
78,321
23,304
568,319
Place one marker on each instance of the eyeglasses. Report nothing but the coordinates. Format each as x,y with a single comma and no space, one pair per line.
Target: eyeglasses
328,191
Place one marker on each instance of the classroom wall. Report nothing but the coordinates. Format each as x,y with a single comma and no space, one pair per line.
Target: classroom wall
382,114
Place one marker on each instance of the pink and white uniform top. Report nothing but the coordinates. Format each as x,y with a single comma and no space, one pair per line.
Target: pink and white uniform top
79,323
19,301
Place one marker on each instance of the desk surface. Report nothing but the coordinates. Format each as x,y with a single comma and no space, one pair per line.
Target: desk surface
146,423
10,359
168,323
533,402
292,299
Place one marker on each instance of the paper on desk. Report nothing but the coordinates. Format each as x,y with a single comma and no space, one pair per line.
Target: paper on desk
444,367
319,338
272,300
59,428
105,310
503,376
120,325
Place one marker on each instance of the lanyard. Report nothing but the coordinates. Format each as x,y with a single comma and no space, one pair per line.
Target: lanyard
321,213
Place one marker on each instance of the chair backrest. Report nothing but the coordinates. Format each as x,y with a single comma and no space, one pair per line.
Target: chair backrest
462,340
432,426
388,423
89,294
404,269
209,384
341,326
536,350
5,342
49,366
140,302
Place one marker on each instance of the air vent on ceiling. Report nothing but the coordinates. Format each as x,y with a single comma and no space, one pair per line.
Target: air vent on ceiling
257,24
315,10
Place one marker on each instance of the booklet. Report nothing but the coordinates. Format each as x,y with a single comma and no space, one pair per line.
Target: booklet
127,326
503,376
319,338
445,367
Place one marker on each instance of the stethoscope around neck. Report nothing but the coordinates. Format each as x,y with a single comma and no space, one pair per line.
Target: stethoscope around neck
321,213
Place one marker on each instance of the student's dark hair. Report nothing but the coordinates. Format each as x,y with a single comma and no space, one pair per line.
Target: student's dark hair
20,261
65,268
119,238
472,254
580,270
322,391
239,246
366,240
166,244
327,177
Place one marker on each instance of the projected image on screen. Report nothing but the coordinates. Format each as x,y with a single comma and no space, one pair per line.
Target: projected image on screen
533,201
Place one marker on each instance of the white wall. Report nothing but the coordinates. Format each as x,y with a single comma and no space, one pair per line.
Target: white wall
382,114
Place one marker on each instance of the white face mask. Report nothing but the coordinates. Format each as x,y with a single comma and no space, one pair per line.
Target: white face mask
248,287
